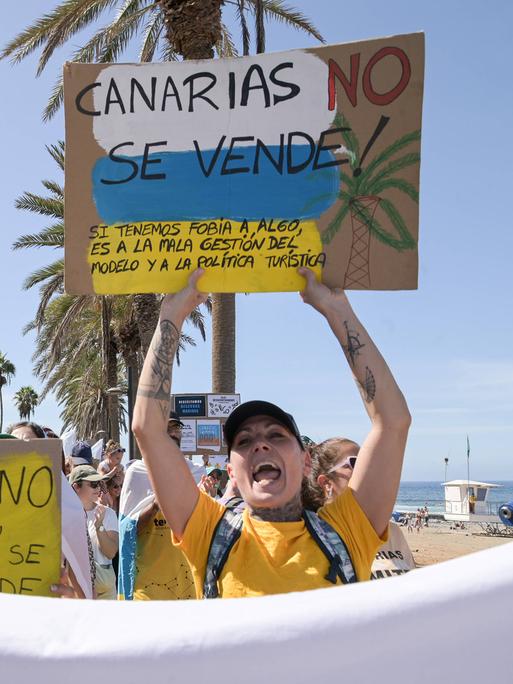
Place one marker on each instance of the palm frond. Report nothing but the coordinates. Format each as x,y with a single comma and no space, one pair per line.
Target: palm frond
243,26
197,319
151,34
390,151
335,224
54,188
278,10
45,206
167,54
226,46
367,184
43,273
397,184
55,100
118,34
68,19
53,236
55,285
56,152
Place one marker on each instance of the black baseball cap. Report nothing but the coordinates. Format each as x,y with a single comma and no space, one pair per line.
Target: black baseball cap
173,415
258,408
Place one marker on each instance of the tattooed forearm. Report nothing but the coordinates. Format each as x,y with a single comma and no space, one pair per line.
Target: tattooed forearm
352,349
368,386
161,356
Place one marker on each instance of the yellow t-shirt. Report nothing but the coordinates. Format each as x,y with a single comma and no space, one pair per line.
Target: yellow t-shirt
162,571
276,558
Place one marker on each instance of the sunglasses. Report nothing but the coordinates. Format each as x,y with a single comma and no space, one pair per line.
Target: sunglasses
115,486
93,485
349,462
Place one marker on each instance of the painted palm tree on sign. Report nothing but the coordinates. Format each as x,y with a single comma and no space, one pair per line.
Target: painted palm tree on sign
7,372
26,399
168,30
361,193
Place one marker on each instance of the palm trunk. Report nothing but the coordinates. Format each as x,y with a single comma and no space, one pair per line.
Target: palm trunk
358,269
223,343
1,409
146,311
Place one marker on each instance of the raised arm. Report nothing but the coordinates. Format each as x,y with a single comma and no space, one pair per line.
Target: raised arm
376,476
172,481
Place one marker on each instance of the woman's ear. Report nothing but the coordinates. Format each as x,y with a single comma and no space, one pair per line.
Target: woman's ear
322,480
229,470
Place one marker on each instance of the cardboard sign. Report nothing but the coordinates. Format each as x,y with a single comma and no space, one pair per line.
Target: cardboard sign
246,167
30,516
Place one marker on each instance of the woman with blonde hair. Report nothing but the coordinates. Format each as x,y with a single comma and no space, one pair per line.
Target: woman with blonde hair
332,465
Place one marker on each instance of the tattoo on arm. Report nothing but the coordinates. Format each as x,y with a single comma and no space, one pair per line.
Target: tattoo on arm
368,387
352,350
162,354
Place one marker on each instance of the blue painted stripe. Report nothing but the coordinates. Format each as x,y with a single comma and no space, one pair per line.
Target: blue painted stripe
187,194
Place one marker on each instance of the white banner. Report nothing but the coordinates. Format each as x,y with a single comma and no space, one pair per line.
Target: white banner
457,613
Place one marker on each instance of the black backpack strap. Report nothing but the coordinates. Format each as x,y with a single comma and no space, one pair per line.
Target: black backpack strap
234,502
333,547
225,535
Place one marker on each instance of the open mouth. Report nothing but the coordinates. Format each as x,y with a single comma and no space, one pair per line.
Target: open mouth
266,471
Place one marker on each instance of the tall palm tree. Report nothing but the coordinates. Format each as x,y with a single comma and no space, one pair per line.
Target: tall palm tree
7,372
169,29
26,400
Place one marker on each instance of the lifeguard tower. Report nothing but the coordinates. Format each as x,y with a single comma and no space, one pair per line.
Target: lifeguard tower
466,500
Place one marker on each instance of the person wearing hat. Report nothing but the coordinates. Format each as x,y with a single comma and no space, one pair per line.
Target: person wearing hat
175,427
102,525
279,545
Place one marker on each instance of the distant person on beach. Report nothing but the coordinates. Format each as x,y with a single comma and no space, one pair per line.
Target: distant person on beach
333,462
410,522
278,548
418,520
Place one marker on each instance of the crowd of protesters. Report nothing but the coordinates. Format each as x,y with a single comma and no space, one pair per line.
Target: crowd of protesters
285,514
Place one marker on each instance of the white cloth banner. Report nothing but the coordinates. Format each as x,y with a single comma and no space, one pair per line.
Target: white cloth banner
449,623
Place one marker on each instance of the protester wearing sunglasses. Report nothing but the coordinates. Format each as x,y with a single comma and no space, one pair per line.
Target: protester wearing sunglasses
332,465
102,524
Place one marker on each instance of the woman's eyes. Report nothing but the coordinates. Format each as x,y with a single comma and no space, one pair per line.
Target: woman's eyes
244,441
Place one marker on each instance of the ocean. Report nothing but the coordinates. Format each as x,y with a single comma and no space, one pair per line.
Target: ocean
413,495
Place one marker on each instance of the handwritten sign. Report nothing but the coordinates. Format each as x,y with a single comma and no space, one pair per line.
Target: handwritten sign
246,167
30,521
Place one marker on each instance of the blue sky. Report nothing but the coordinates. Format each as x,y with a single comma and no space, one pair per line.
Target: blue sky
449,344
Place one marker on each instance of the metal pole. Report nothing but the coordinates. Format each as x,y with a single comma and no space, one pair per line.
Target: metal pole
468,474
131,449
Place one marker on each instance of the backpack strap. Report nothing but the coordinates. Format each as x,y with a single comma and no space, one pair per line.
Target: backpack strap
333,547
234,502
225,535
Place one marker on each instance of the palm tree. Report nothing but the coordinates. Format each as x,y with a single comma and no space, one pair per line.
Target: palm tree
362,193
26,400
7,372
102,321
170,29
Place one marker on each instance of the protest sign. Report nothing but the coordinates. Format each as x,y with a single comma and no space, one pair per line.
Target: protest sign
203,417
246,167
30,519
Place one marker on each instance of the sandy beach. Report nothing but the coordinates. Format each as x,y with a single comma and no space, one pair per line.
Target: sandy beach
439,543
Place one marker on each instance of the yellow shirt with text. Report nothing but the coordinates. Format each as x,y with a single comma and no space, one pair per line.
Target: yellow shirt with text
162,571
276,558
